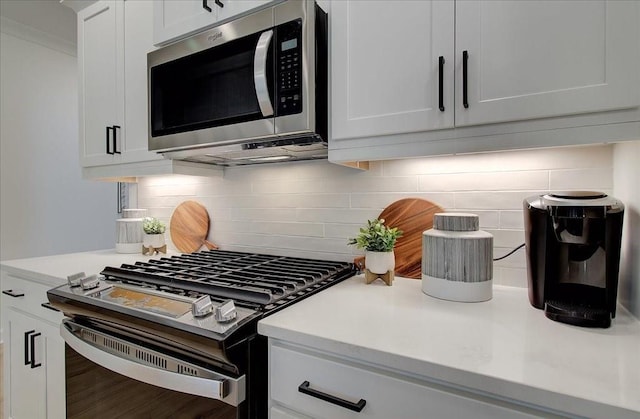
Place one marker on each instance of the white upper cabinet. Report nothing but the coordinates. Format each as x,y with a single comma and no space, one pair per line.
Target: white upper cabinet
386,67
114,38
101,74
516,63
174,19
532,59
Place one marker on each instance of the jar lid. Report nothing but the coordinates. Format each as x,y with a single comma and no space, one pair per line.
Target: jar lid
456,221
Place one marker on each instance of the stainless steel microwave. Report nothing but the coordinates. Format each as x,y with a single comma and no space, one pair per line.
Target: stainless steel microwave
252,90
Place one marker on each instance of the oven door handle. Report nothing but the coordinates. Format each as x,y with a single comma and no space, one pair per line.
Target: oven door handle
260,73
227,389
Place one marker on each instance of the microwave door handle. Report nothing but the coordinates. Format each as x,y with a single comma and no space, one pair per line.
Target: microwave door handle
260,73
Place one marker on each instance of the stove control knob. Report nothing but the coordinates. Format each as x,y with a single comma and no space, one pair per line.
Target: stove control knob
74,280
202,306
225,312
90,282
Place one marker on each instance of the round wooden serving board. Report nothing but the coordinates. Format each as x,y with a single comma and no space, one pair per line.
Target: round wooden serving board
413,216
189,227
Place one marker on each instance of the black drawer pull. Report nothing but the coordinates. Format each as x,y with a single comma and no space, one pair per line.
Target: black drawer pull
49,306
356,407
116,143
30,348
12,293
109,143
440,83
219,3
27,361
32,342
465,60
205,6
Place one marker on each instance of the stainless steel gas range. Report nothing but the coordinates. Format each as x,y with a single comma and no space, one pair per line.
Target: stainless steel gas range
176,336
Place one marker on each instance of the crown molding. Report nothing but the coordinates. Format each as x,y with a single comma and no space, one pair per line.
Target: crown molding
28,33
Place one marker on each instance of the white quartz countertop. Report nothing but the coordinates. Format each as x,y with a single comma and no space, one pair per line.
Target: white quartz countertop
53,270
503,346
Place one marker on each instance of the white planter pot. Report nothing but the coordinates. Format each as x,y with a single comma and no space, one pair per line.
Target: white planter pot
380,262
153,240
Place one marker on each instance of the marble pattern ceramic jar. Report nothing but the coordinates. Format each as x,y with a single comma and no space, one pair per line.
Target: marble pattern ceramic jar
457,259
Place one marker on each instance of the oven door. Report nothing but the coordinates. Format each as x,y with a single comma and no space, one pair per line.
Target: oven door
107,376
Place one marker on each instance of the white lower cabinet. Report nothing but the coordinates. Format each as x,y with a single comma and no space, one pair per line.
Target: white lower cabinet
33,370
340,387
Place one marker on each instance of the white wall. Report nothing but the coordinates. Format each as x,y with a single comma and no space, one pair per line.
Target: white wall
46,208
311,209
626,172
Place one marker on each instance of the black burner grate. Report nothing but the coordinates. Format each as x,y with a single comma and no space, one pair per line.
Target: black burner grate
245,277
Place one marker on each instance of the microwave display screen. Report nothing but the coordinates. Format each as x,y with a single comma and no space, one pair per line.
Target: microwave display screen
290,44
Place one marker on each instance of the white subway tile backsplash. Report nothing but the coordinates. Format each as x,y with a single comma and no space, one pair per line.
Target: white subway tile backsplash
280,228
506,238
374,184
350,216
586,179
496,181
311,209
488,219
384,199
492,200
538,159
512,220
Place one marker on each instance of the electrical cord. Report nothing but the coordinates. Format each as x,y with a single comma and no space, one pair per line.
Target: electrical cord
510,253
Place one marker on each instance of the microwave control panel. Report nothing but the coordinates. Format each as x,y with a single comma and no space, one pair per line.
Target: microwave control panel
289,68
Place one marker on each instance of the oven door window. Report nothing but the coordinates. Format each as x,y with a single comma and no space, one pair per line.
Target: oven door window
211,88
96,392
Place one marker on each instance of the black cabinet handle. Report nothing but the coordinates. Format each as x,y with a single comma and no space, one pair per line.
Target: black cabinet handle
205,6
30,348
116,144
49,306
219,3
465,59
109,150
356,407
12,293
32,344
27,361
440,83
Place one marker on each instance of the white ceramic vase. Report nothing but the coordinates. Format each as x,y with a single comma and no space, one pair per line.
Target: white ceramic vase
153,240
380,262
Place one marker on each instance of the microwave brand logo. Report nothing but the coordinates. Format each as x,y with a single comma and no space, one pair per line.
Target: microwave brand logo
214,36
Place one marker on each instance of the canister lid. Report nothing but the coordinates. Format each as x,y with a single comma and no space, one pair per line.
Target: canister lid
134,213
456,221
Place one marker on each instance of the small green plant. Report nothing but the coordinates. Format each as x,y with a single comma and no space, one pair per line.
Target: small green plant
376,237
152,225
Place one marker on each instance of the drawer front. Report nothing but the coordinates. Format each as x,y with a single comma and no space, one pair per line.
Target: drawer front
27,296
281,413
384,396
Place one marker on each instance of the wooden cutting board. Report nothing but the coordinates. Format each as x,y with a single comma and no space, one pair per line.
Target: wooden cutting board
413,216
189,227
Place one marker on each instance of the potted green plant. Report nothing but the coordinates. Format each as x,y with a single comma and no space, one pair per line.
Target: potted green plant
378,241
153,233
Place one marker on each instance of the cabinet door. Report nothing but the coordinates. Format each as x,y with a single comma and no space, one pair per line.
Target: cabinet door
235,7
173,19
35,367
138,42
385,67
100,42
531,59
